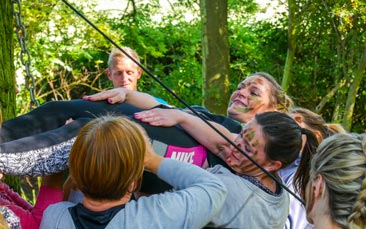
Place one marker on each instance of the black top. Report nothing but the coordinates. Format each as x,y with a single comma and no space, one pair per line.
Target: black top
85,218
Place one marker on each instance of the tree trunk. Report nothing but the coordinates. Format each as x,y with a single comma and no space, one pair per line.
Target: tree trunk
7,73
215,55
351,98
286,80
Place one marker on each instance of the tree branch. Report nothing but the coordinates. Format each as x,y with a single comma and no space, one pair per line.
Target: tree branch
330,95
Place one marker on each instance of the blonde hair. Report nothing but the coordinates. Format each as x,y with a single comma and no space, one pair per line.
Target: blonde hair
280,100
107,158
341,161
118,54
335,128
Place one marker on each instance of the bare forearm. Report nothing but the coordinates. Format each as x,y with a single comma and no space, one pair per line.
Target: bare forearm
120,95
140,99
206,135
193,125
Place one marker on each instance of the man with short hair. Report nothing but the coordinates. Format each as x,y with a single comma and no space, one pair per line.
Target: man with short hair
123,71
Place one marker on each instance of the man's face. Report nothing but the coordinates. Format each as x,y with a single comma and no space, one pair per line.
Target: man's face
124,73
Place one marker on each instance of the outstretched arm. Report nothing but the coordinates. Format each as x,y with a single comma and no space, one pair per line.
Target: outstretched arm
197,128
120,95
193,125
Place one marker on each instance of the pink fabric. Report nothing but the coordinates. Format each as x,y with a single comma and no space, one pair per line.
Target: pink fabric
30,217
9,197
195,155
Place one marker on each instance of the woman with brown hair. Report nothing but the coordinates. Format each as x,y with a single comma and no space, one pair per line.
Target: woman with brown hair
106,164
272,139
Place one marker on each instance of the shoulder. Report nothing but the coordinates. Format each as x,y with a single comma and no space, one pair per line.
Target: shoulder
57,214
219,169
231,180
160,100
58,208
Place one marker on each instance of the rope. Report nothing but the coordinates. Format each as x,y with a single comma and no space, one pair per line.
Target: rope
184,103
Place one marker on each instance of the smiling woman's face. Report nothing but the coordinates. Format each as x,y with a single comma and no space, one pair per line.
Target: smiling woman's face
253,95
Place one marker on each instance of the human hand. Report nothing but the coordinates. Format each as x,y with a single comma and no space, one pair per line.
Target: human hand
160,117
116,95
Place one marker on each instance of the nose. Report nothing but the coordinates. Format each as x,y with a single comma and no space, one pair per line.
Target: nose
243,92
124,77
234,149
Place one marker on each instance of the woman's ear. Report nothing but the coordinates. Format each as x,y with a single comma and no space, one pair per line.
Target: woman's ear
297,118
132,187
315,193
309,200
318,135
273,166
318,187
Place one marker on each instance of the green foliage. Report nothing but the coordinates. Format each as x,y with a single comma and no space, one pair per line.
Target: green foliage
69,57
256,47
332,39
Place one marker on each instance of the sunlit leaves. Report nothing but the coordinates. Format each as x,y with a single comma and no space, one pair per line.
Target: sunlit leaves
68,54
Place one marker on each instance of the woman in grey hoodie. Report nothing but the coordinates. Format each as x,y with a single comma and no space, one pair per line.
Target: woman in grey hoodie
106,164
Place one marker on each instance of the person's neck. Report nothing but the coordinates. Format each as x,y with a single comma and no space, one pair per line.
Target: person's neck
266,180
325,222
102,205
320,213
269,182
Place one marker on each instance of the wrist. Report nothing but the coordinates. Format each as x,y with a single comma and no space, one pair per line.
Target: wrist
153,163
183,118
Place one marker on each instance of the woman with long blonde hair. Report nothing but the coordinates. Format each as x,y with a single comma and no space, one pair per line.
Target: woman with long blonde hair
336,191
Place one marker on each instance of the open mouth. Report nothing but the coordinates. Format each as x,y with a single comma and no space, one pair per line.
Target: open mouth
238,102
